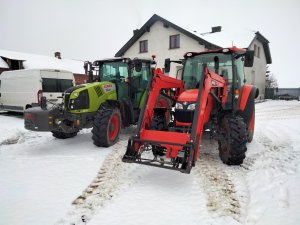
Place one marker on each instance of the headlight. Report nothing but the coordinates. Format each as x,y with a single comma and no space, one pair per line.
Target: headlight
76,94
191,106
178,106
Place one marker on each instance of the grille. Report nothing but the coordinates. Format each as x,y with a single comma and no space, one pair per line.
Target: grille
68,94
98,90
81,102
184,116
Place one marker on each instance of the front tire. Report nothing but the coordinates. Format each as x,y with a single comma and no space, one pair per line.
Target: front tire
232,149
107,126
63,135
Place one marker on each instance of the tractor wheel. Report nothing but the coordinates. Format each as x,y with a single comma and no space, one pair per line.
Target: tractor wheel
107,126
63,135
232,148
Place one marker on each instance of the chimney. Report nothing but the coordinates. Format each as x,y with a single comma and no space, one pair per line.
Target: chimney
57,55
135,31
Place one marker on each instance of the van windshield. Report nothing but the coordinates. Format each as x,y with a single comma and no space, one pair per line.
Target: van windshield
56,85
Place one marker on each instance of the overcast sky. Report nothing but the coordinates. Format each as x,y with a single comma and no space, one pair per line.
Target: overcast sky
95,29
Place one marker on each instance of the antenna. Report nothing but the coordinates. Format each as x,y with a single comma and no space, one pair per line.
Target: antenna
213,30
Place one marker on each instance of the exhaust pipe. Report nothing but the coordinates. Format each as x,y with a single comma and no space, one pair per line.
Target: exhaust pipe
88,67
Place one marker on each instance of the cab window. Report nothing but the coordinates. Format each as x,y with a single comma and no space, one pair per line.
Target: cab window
110,71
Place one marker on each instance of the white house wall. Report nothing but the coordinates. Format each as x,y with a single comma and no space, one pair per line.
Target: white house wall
158,44
256,74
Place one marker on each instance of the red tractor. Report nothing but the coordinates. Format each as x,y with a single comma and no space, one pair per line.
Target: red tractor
211,98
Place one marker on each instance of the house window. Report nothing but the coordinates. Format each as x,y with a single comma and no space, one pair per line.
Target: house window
174,41
143,46
257,51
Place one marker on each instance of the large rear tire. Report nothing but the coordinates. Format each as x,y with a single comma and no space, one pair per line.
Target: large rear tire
107,126
63,135
232,149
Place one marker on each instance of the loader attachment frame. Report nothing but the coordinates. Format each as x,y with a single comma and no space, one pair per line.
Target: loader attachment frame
181,149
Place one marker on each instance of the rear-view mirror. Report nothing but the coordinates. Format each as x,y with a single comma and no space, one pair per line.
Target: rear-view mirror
167,65
249,58
137,65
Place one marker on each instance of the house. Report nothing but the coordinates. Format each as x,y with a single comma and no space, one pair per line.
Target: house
11,60
256,75
165,39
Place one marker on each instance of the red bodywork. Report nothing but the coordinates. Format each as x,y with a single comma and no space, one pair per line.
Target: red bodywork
246,105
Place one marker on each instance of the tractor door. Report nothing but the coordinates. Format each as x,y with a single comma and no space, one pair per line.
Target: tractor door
138,83
116,72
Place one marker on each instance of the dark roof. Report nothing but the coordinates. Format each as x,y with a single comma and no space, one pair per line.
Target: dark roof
146,28
265,43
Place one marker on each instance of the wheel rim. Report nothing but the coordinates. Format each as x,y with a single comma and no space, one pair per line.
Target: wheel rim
113,128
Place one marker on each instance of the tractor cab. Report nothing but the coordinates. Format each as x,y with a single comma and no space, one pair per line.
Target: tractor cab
228,63
129,76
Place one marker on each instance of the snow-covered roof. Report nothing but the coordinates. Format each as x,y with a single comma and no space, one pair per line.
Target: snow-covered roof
33,61
227,38
3,64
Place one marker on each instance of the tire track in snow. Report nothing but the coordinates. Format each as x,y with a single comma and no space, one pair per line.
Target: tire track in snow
224,186
280,155
112,177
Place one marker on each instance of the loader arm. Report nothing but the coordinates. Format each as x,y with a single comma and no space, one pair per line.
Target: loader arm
159,82
181,149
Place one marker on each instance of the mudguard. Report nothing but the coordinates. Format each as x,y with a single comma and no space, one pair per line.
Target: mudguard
248,94
246,107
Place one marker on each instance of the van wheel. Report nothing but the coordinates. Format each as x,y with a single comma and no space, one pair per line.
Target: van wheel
63,135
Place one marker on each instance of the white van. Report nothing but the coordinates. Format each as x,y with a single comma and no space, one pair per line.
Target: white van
22,89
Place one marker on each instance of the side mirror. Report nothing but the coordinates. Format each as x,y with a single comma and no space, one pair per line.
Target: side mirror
167,65
216,60
249,58
88,67
137,65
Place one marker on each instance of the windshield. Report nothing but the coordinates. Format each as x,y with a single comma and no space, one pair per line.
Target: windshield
113,71
193,68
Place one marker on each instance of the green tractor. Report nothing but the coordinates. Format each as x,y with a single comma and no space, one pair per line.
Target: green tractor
111,100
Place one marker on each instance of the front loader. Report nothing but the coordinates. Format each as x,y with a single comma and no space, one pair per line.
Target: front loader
210,98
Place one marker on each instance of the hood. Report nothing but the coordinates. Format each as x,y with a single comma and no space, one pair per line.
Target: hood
188,96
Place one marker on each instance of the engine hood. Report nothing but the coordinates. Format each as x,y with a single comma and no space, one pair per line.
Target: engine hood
188,96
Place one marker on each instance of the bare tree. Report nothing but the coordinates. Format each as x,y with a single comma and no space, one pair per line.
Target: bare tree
271,81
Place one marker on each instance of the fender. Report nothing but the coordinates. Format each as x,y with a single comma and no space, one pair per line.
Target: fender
245,107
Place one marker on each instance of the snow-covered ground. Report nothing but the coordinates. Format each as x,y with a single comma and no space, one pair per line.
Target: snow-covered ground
48,181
